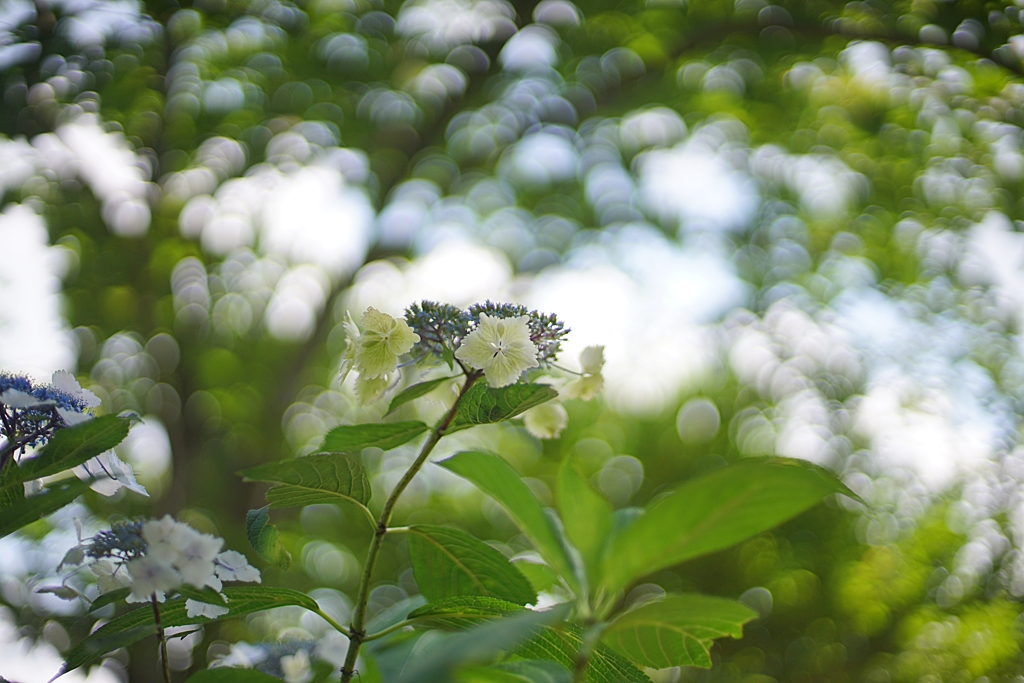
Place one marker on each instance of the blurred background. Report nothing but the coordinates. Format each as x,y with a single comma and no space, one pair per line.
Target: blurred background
794,226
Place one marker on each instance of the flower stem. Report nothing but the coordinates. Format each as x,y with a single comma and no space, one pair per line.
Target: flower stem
162,638
357,634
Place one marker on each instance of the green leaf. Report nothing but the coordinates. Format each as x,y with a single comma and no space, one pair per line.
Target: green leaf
586,516
206,594
677,630
385,436
558,645
9,493
71,447
110,598
24,511
265,539
541,576
561,646
226,674
496,478
523,671
484,405
449,562
139,623
414,392
713,512
485,640
327,478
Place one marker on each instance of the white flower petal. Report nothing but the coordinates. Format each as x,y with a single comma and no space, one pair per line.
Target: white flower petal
195,608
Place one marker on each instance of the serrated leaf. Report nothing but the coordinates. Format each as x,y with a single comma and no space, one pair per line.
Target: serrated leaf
483,404
225,674
139,623
70,447
24,511
327,478
449,563
414,392
541,576
385,436
676,630
586,517
9,494
496,478
265,538
559,645
523,671
713,512
482,642
109,598
205,594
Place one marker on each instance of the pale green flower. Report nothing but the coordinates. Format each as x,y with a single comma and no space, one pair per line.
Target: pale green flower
384,339
351,344
591,382
370,389
501,347
547,420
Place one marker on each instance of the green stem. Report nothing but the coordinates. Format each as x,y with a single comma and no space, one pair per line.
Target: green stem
590,638
162,638
389,630
335,625
357,635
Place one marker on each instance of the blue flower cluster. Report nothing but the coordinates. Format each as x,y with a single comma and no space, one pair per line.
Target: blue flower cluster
123,542
30,413
442,327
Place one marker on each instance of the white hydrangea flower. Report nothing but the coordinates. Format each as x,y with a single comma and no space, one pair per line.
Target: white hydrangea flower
383,340
296,668
369,390
110,475
232,565
501,347
149,576
196,608
591,382
196,552
242,655
64,381
14,398
159,535
547,420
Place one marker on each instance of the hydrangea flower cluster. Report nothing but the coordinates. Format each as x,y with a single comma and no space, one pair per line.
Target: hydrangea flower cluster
155,557
499,341
31,413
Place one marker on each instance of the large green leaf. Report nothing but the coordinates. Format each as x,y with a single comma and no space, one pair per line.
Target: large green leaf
385,436
449,562
70,447
483,404
522,671
20,512
483,641
139,623
677,630
414,392
496,478
265,538
228,675
327,478
713,512
559,645
9,493
586,516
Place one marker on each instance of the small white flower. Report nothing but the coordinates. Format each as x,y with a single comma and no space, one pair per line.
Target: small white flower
109,576
73,417
242,655
195,608
547,420
589,385
19,399
501,347
64,381
73,556
160,535
383,340
232,565
296,668
196,552
150,576
110,474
